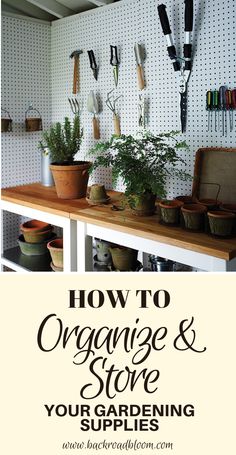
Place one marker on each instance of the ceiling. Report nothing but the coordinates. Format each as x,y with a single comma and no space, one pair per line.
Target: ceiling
50,10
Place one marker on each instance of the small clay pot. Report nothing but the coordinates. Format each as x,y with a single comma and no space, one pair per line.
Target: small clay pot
193,215
97,194
210,204
144,204
170,211
221,223
56,251
34,226
228,208
124,259
185,199
38,236
33,249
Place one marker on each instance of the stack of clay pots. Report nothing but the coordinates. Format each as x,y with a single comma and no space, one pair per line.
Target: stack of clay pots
111,257
34,238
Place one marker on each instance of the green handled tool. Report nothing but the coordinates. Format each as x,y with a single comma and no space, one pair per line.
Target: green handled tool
233,96
183,71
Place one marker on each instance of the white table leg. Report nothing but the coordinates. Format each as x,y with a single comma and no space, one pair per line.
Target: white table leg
69,246
84,248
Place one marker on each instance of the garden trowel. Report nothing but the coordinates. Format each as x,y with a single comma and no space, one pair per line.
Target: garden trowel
92,105
139,55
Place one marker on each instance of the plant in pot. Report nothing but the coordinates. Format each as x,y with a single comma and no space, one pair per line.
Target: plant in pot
144,164
63,141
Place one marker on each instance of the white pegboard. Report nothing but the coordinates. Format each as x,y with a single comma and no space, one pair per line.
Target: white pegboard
124,24
25,79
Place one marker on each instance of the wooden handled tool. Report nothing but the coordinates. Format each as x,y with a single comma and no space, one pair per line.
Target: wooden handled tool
139,55
75,55
116,122
96,129
92,105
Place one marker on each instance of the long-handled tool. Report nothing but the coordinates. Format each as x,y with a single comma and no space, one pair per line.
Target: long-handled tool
93,64
114,61
139,55
183,71
228,96
75,55
92,105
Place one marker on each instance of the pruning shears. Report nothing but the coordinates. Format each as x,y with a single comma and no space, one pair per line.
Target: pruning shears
114,61
93,64
182,66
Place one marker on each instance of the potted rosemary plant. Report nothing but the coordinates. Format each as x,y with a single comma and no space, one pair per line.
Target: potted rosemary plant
63,142
144,164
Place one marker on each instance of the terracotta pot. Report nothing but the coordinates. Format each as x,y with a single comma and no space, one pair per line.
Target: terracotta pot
37,237
144,204
210,204
185,199
56,251
97,194
228,208
170,211
34,226
193,215
124,259
33,249
71,180
221,223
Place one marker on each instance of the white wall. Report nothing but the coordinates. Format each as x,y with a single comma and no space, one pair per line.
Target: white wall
25,79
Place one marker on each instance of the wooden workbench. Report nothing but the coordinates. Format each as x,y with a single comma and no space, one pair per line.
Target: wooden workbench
143,233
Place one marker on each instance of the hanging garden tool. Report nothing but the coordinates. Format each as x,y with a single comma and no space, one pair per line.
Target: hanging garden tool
183,71
6,121
114,61
93,64
92,105
75,55
142,112
222,104
111,104
139,55
233,97
209,109
228,95
75,106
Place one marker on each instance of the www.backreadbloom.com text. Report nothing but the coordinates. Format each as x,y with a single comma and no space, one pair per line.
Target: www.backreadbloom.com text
126,445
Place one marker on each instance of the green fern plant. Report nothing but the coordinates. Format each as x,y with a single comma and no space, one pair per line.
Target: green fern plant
143,163
63,140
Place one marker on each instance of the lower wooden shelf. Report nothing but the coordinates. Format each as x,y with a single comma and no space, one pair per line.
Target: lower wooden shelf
15,260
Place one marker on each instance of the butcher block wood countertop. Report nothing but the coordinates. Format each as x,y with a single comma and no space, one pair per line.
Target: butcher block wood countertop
42,198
